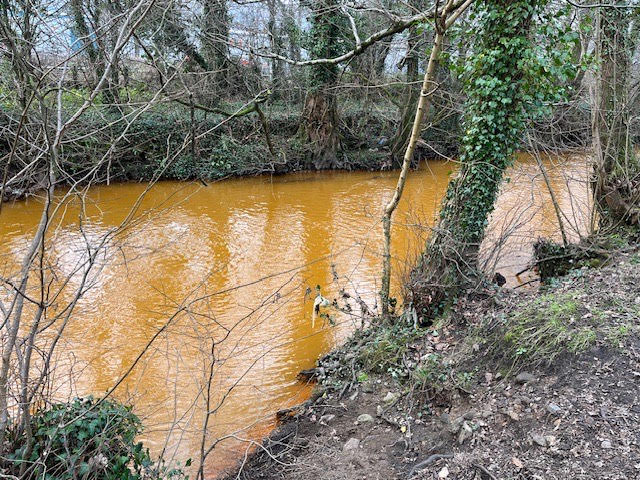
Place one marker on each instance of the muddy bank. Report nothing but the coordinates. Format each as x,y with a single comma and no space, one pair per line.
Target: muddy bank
534,385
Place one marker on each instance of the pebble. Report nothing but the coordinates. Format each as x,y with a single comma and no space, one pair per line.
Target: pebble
606,444
365,418
455,426
539,439
391,397
379,411
351,445
513,415
465,432
525,377
470,415
327,418
554,409
445,418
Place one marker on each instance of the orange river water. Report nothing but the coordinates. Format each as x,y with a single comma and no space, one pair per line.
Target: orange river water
240,260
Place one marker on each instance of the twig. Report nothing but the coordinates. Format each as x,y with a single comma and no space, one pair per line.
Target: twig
485,471
433,458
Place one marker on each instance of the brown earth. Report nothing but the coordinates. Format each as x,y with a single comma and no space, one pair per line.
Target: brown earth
493,412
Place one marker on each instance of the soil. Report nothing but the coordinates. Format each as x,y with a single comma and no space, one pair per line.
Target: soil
577,417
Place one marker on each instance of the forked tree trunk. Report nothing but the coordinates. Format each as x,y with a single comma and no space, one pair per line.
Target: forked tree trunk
616,184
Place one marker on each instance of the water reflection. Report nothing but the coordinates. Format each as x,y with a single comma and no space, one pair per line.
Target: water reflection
236,259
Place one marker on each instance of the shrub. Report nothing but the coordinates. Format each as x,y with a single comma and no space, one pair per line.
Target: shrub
87,438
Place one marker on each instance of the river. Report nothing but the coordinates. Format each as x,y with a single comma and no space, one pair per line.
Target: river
240,260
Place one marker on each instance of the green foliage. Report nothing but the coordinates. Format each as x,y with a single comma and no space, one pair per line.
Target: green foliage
436,375
495,110
615,335
545,328
88,438
550,65
386,347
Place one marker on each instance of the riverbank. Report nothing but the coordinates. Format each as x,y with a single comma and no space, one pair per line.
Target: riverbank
539,385
168,143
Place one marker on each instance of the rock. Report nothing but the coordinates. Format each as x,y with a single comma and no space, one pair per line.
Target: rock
465,433
445,418
488,377
365,418
327,418
525,377
551,440
539,439
606,444
352,445
391,397
383,142
367,387
379,411
310,374
444,473
470,415
554,409
456,425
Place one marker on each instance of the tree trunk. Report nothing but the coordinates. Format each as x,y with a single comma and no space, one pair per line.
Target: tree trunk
412,60
424,104
319,128
275,39
215,41
493,128
443,21
616,184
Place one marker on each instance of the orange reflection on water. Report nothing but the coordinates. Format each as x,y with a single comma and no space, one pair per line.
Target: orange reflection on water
237,260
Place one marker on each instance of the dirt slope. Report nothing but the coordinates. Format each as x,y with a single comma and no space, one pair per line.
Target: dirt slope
541,385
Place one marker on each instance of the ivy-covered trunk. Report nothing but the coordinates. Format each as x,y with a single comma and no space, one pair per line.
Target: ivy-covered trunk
319,128
617,170
492,130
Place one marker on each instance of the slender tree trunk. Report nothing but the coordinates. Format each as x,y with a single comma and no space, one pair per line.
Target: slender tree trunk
275,39
616,184
215,41
407,115
443,22
493,129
